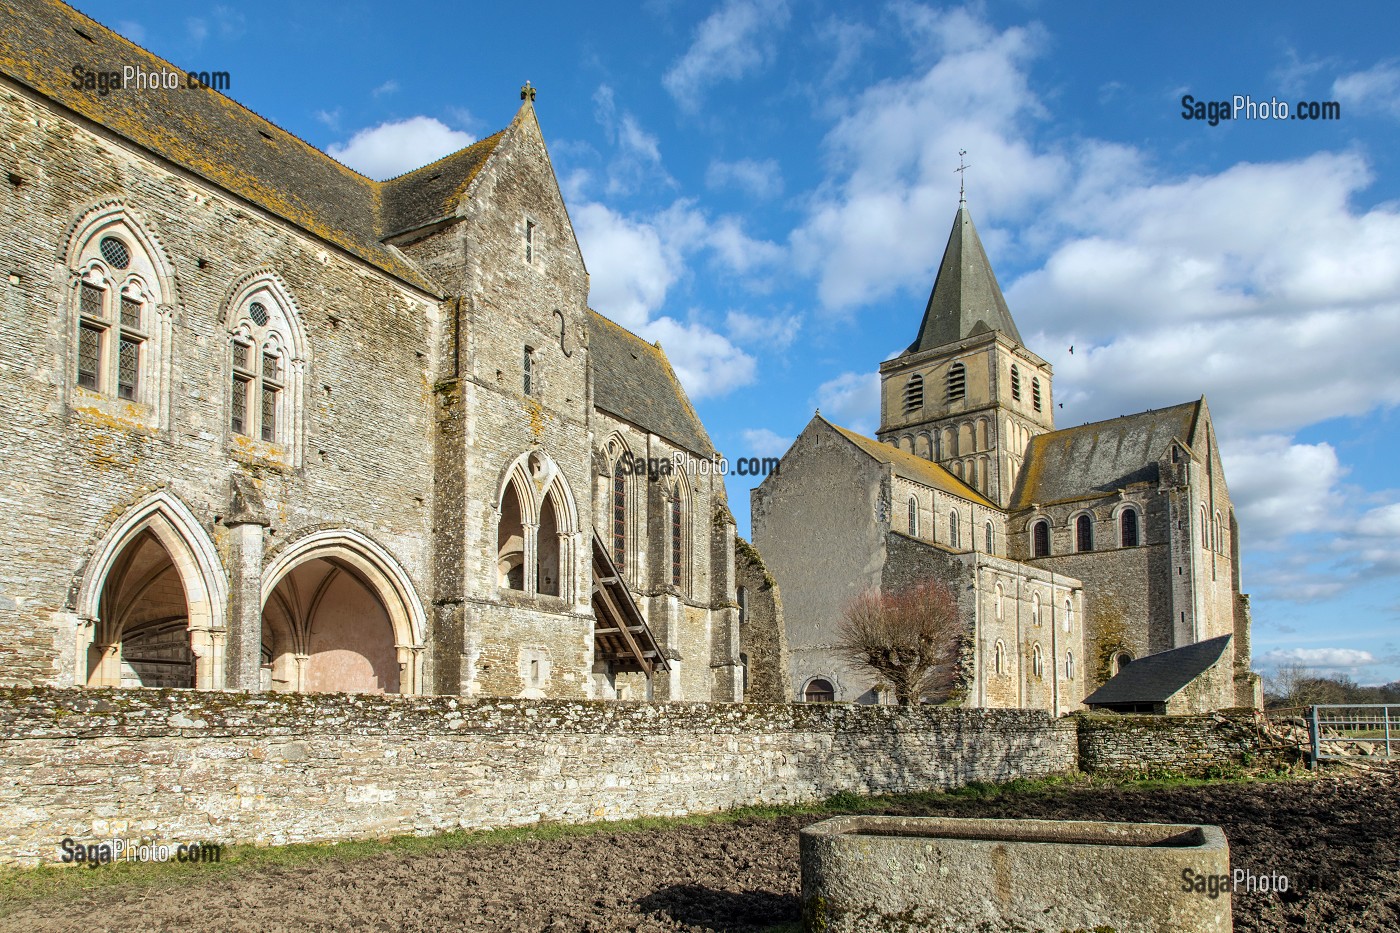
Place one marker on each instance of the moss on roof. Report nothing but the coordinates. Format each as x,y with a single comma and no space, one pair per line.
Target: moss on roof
225,143
633,380
914,468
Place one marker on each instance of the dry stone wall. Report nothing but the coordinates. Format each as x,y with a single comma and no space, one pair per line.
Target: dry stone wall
1195,745
181,766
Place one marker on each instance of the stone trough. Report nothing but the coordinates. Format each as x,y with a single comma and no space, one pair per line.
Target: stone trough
864,873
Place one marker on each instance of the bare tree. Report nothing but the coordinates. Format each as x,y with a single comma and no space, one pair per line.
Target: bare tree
913,639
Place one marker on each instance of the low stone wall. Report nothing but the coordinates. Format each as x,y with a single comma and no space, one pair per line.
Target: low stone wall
1119,744
182,766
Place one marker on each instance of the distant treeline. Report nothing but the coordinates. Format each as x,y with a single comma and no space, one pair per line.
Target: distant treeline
1299,686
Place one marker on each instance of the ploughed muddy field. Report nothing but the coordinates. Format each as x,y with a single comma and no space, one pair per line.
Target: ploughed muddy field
1337,838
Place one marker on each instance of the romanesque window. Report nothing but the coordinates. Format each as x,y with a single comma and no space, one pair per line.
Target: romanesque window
819,690
914,394
1037,663
953,529
957,382
1035,394
1035,609
913,516
1069,665
989,544
1084,533
529,370
1121,660
1040,535
1000,657
1128,528
1015,383
1205,529
1069,615
677,539
1218,532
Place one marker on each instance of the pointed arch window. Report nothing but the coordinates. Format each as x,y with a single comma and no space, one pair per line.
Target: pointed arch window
1035,609
1040,539
119,335
531,382
914,394
259,407
953,529
1015,383
1069,665
1084,533
1205,529
1069,615
1037,663
989,545
1128,528
957,382
619,516
1000,657
913,517
1000,593
677,538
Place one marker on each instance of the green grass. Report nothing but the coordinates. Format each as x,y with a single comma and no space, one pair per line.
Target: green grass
57,882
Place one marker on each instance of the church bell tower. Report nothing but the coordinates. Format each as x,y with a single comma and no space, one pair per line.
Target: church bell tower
966,393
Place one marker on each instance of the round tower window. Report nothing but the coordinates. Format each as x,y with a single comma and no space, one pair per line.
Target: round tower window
258,313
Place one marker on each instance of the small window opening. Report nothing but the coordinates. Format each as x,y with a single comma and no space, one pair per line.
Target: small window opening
957,382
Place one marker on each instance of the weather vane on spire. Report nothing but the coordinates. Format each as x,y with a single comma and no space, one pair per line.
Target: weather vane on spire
962,177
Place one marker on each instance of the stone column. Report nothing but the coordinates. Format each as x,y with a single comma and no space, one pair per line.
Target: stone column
243,655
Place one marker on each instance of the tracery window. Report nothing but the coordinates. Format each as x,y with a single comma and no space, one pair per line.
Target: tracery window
677,539
619,516
118,289
259,407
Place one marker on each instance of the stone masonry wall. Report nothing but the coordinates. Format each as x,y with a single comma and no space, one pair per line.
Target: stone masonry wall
279,768
1116,744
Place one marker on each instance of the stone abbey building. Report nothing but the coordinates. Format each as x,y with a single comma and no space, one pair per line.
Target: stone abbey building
1071,552
270,424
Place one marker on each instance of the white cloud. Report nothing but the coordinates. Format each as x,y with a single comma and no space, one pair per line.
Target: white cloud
759,178
705,363
1280,488
633,263
330,118
636,161
775,331
735,40
1321,658
851,400
388,87
391,149
765,443
879,225
1375,90
738,251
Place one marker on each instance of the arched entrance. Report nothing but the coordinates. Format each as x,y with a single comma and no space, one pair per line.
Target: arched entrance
340,616
152,599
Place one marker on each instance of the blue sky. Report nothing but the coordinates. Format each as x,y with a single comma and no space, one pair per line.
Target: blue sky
766,186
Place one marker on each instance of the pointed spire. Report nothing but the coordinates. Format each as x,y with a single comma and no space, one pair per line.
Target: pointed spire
966,298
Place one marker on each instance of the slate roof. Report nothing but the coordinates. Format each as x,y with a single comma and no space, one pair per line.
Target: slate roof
1093,459
913,468
1156,678
227,144
633,380
966,298
433,191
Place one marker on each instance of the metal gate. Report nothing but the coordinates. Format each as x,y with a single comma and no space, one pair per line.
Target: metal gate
1340,730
